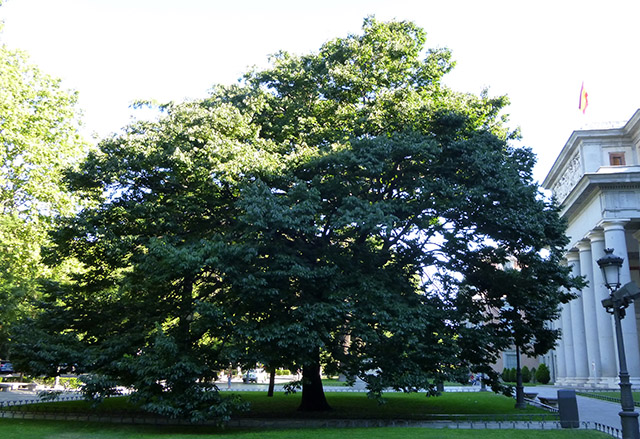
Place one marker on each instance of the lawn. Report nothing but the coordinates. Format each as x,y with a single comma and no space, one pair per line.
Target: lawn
345,406
26,429
349,405
336,383
396,405
333,382
610,394
613,394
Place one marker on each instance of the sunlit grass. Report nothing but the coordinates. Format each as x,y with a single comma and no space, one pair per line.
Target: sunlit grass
30,429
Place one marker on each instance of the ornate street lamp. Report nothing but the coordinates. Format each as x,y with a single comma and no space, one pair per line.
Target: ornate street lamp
610,265
617,302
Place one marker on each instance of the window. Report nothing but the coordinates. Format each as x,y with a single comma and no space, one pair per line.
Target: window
509,360
616,159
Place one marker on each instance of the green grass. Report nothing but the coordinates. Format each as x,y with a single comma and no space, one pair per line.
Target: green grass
616,394
396,406
611,394
333,382
28,429
525,384
344,406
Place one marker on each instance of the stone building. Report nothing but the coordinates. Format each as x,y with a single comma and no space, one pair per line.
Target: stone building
596,178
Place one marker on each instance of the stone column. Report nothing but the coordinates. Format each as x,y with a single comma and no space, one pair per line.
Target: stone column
577,325
560,355
589,307
604,321
614,237
567,339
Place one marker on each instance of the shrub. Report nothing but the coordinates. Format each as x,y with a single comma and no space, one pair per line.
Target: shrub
526,375
505,374
542,374
533,375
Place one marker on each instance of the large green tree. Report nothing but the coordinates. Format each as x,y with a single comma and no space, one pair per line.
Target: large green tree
144,312
39,137
389,230
341,209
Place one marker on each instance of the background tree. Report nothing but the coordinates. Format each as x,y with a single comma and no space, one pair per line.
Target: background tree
39,137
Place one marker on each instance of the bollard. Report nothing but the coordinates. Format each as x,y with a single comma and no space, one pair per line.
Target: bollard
568,409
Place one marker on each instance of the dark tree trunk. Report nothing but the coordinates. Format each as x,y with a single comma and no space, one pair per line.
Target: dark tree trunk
272,381
313,399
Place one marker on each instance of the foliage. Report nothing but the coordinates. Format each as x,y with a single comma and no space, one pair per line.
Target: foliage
543,376
38,139
142,312
342,209
533,375
509,375
66,382
394,186
526,374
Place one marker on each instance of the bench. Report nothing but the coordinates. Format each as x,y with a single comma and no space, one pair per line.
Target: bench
5,387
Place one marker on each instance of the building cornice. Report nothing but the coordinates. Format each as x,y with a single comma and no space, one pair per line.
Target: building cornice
631,130
602,180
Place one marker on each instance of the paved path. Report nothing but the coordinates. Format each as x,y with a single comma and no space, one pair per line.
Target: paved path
589,409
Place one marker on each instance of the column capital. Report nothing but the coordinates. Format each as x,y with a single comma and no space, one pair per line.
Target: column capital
596,235
572,256
584,245
613,223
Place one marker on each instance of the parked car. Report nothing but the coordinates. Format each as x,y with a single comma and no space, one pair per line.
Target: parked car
255,376
5,367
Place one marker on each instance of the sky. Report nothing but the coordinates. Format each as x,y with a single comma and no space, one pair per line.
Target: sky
538,53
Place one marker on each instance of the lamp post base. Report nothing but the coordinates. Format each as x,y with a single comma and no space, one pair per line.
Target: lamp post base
629,421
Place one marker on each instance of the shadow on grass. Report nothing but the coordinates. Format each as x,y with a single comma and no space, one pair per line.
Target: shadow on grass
475,405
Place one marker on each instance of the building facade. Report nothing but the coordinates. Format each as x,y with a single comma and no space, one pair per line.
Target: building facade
596,178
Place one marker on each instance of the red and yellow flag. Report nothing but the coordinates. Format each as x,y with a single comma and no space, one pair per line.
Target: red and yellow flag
584,99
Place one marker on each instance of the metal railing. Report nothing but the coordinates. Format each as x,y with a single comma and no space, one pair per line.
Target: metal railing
592,393
611,431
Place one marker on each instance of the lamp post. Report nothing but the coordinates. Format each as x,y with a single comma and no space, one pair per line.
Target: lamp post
520,403
619,299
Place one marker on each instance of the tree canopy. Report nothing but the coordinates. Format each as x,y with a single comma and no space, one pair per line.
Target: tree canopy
342,209
39,138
